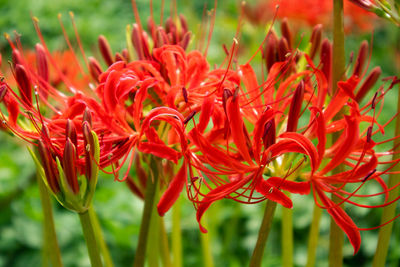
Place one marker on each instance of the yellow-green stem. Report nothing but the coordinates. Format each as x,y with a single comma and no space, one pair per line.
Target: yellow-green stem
90,238
205,245
263,233
50,246
338,59
336,237
389,211
164,246
287,236
153,243
100,238
313,236
177,234
149,201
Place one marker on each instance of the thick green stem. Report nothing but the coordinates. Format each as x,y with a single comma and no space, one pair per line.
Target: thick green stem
51,248
153,242
177,234
338,59
263,233
149,201
164,246
389,211
205,245
338,70
100,238
90,237
287,237
313,236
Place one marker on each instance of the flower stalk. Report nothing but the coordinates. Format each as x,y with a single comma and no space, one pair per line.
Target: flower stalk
149,203
90,238
336,237
177,234
287,236
313,236
100,238
263,233
51,248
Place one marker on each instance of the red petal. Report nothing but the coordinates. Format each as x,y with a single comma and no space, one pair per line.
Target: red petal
302,188
272,193
172,193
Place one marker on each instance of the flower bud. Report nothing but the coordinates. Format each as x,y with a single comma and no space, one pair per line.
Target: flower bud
361,59
24,84
315,40
295,108
368,83
105,50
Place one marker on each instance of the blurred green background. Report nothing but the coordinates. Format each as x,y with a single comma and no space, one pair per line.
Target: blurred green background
233,227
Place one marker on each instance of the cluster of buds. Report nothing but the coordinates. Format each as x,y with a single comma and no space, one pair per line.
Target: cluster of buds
389,10
69,167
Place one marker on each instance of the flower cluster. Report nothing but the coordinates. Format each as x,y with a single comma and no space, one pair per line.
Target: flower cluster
233,134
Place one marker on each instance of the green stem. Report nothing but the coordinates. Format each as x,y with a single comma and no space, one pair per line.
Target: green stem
164,247
149,200
51,248
90,237
205,245
177,233
338,59
287,237
389,211
263,233
313,237
100,238
153,240
338,70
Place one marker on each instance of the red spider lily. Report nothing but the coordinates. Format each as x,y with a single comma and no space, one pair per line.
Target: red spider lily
260,146
307,12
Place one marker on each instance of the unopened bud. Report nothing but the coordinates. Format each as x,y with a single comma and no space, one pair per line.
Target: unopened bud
326,59
368,83
105,50
41,61
94,68
270,50
315,40
69,166
295,108
285,30
70,132
283,49
268,137
361,59
24,84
